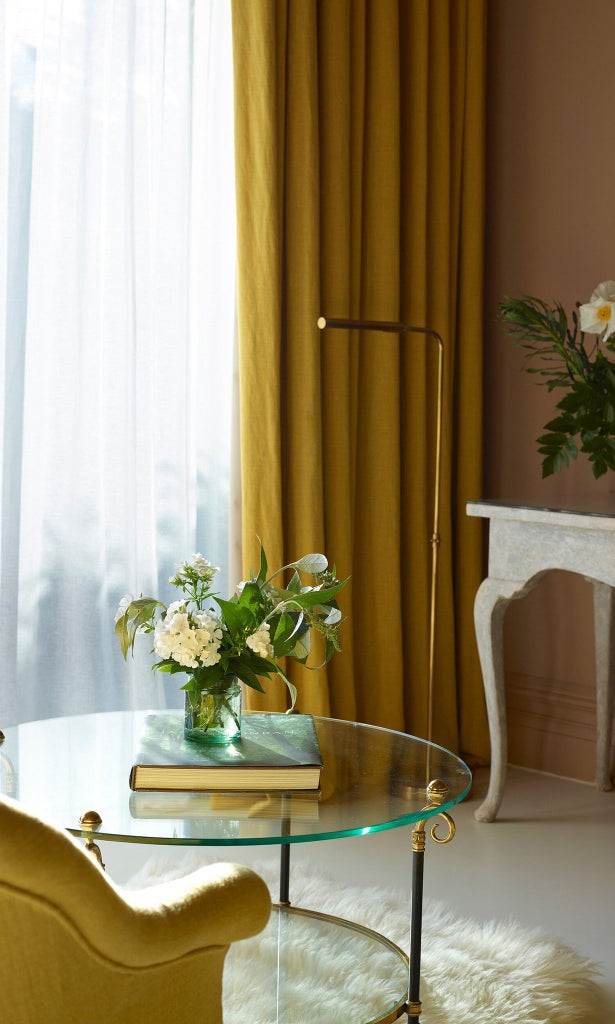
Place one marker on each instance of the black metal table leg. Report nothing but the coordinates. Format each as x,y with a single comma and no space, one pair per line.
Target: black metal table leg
285,854
416,924
284,874
436,795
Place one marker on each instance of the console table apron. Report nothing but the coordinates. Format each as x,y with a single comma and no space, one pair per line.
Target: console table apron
527,540
373,779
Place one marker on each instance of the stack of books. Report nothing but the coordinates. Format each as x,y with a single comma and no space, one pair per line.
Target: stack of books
275,752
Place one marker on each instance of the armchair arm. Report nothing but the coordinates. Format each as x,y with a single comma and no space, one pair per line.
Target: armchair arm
46,866
214,905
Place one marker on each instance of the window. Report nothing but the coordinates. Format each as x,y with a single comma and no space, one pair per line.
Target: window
116,339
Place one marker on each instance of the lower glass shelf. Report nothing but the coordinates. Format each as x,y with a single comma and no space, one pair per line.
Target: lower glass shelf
306,967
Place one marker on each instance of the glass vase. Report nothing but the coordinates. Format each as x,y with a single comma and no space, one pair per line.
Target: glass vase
213,716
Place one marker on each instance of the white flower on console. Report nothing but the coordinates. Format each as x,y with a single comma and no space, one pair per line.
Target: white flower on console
598,315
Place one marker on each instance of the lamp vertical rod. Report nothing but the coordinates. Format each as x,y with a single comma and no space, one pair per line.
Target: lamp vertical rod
395,327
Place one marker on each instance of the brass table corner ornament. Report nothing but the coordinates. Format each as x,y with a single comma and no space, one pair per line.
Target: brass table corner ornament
89,821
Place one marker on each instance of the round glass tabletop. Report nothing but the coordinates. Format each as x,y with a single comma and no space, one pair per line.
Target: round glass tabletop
372,779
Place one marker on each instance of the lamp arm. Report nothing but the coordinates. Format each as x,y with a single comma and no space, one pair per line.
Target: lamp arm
395,327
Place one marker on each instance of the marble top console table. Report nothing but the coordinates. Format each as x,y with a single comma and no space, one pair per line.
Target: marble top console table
526,540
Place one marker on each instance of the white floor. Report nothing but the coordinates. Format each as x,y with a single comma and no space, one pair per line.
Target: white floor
547,861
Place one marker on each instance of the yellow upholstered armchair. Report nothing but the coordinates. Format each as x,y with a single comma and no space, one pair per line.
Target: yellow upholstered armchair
74,947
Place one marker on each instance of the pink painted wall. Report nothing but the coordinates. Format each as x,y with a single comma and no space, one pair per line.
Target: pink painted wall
550,233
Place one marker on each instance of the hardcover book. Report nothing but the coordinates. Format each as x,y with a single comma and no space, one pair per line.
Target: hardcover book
275,752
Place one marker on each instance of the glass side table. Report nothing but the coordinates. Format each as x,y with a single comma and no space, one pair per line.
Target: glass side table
74,771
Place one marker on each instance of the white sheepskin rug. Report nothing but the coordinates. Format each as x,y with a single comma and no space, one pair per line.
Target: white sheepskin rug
471,972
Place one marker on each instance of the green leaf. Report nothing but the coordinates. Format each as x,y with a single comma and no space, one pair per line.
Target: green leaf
122,634
313,598
292,689
236,617
286,628
261,666
262,572
295,583
551,440
252,598
561,424
247,676
139,614
312,564
302,648
172,667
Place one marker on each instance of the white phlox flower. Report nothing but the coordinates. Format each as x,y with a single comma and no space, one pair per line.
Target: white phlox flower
598,315
175,606
260,641
208,632
203,567
188,639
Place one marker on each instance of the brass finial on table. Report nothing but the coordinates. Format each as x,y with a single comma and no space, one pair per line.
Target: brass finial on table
437,791
90,820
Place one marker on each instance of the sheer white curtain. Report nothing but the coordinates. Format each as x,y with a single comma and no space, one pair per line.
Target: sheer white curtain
117,277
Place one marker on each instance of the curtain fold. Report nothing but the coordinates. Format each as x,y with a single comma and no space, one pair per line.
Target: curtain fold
360,183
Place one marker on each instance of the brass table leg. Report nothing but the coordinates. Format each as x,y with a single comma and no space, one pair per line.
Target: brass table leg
436,795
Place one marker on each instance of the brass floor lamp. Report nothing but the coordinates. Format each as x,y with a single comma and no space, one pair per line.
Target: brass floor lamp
392,327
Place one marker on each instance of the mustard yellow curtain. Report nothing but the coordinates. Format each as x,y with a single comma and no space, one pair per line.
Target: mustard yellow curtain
360,187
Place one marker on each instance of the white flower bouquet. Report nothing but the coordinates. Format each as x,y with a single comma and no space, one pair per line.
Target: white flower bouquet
216,641
585,418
